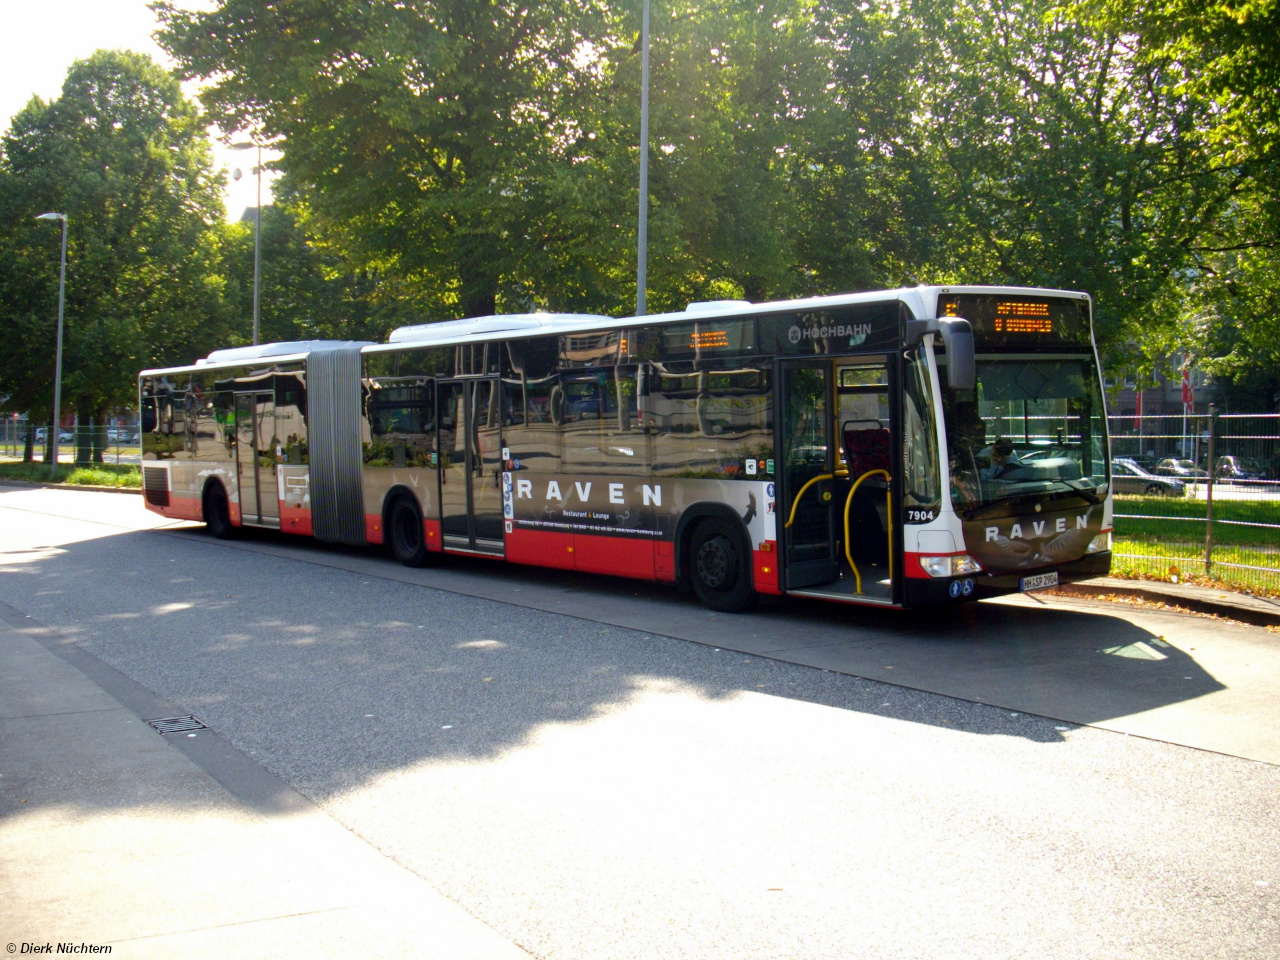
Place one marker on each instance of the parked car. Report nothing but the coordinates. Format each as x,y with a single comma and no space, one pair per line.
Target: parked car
64,435
1128,477
1182,469
1237,469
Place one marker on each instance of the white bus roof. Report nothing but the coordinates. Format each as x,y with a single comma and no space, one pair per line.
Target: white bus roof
278,352
922,300
530,323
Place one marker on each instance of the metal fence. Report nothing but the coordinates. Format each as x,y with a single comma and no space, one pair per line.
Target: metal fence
1217,513
117,443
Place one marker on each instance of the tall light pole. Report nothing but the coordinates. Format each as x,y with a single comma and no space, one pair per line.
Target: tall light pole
57,369
642,238
257,235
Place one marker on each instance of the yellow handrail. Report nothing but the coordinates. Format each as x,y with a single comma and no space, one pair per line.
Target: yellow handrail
888,503
796,502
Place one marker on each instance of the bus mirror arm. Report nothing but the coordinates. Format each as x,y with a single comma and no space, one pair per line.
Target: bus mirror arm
957,337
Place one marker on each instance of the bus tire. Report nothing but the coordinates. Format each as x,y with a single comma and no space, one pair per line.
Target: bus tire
718,567
405,536
217,512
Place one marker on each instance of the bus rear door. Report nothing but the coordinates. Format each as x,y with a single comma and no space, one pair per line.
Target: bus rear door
256,458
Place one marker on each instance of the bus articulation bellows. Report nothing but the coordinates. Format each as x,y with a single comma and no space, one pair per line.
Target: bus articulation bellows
896,448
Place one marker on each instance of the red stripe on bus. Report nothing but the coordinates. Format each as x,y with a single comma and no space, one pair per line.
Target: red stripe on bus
540,548
765,569
180,508
621,556
618,556
295,519
911,561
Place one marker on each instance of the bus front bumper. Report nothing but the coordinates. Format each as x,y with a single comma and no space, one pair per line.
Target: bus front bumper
927,593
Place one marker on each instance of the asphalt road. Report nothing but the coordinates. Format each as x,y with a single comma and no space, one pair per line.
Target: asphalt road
601,769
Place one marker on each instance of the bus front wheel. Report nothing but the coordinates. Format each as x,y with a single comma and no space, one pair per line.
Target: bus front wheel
718,568
404,526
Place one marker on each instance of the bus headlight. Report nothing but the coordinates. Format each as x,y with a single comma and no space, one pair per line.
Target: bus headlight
1099,543
950,566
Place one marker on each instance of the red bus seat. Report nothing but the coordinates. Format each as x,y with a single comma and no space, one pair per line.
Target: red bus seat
865,450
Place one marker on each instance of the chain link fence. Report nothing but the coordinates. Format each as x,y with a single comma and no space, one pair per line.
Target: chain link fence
113,443
1198,499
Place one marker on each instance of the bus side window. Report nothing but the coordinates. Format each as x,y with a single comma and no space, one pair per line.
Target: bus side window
148,419
533,404
709,422
599,422
401,424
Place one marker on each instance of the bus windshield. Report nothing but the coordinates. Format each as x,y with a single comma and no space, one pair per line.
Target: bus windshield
1033,426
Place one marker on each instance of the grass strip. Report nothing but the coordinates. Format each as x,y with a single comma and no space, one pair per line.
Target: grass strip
76,475
1182,521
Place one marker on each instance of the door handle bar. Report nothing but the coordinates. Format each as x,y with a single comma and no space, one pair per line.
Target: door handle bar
888,503
796,502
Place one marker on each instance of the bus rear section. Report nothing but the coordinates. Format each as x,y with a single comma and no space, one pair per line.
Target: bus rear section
264,436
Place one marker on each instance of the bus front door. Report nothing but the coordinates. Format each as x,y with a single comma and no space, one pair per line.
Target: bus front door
256,458
470,445
809,454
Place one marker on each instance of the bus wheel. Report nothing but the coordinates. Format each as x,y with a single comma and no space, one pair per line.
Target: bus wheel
404,528
217,514
719,571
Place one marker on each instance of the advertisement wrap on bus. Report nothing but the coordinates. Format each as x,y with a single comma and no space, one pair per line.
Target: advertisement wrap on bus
893,448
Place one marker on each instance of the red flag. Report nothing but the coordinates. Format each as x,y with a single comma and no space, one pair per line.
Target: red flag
1188,395
1137,413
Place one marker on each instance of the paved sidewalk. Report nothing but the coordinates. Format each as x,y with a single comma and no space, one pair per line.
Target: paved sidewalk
1260,611
180,846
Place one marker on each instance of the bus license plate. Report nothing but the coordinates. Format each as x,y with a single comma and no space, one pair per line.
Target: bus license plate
1039,582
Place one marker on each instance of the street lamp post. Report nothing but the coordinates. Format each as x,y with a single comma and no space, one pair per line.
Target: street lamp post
57,369
257,235
642,233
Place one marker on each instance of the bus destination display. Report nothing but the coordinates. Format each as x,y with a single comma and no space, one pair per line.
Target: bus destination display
1030,317
1004,320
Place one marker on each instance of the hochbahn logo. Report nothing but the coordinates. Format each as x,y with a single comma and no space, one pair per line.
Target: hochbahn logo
854,331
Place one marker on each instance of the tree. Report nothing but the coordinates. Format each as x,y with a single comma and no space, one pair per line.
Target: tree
125,156
423,135
308,290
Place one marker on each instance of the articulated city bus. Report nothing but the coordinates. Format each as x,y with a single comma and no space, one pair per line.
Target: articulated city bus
897,448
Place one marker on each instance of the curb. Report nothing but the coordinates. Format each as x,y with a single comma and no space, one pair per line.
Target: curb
1227,609
6,482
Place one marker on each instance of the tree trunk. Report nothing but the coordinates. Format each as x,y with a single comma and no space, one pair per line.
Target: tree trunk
29,443
479,278
82,431
99,437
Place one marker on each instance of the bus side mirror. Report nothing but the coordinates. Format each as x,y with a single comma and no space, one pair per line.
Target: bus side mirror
957,337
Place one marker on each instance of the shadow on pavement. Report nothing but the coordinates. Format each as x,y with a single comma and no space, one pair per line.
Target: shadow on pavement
339,671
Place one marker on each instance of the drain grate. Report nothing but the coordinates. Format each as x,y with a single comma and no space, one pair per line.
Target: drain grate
176,725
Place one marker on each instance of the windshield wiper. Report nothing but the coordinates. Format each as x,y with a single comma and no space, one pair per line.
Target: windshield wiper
1087,491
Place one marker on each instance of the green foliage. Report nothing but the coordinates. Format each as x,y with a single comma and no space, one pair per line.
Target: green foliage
125,156
458,157
423,136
